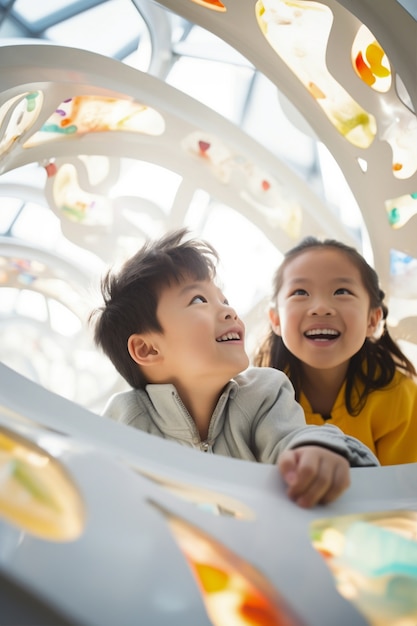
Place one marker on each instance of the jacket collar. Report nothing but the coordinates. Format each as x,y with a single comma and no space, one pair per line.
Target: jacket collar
173,418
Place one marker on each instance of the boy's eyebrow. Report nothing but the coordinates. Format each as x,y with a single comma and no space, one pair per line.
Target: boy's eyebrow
191,287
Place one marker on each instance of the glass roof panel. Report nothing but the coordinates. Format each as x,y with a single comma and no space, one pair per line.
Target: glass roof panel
222,87
36,16
121,28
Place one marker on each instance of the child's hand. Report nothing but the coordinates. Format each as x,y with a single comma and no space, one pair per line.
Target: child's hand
314,475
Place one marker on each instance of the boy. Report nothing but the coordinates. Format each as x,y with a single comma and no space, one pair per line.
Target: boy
172,335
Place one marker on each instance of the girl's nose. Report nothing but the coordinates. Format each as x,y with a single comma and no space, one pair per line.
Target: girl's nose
321,307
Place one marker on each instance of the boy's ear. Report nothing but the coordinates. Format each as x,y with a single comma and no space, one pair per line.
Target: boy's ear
274,320
375,317
142,349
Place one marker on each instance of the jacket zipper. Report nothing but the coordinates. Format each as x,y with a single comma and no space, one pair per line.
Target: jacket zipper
204,446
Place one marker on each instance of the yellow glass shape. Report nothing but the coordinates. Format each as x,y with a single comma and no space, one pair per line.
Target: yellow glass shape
298,31
399,124
37,495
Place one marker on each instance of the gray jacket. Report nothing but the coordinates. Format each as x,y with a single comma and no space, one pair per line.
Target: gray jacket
255,419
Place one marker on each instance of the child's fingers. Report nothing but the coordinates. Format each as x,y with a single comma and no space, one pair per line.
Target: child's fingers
300,471
341,481
314,475
287,465
312,483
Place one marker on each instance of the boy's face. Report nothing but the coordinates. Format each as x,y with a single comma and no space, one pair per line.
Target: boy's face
203,339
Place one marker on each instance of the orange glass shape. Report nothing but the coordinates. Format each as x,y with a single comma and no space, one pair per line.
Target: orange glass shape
370,62
214,5
298,31
37,495
233,591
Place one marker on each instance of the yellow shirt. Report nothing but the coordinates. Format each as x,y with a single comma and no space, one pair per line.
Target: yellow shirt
387,424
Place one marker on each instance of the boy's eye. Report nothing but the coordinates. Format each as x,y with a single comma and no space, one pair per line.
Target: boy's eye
299,292
197,299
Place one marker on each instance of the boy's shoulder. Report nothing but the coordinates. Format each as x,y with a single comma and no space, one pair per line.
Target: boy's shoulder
125,405
261,376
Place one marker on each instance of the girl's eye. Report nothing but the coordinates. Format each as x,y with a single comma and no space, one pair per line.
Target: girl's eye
343,291
198,299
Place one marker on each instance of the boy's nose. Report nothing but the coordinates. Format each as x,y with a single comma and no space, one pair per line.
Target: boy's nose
229,313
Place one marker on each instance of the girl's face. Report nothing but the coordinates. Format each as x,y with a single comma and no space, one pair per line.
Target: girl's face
323,309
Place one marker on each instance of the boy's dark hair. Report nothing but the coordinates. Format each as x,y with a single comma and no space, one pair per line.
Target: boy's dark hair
374,364
131,294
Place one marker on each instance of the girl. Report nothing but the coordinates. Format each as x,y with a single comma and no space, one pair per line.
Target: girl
329,334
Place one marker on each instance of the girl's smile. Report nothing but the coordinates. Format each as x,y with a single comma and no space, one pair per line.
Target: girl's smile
323,309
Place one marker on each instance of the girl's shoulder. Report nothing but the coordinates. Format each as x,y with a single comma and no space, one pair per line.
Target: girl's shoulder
405,381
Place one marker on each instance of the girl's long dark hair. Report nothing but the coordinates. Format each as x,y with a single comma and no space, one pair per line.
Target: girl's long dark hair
374,365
